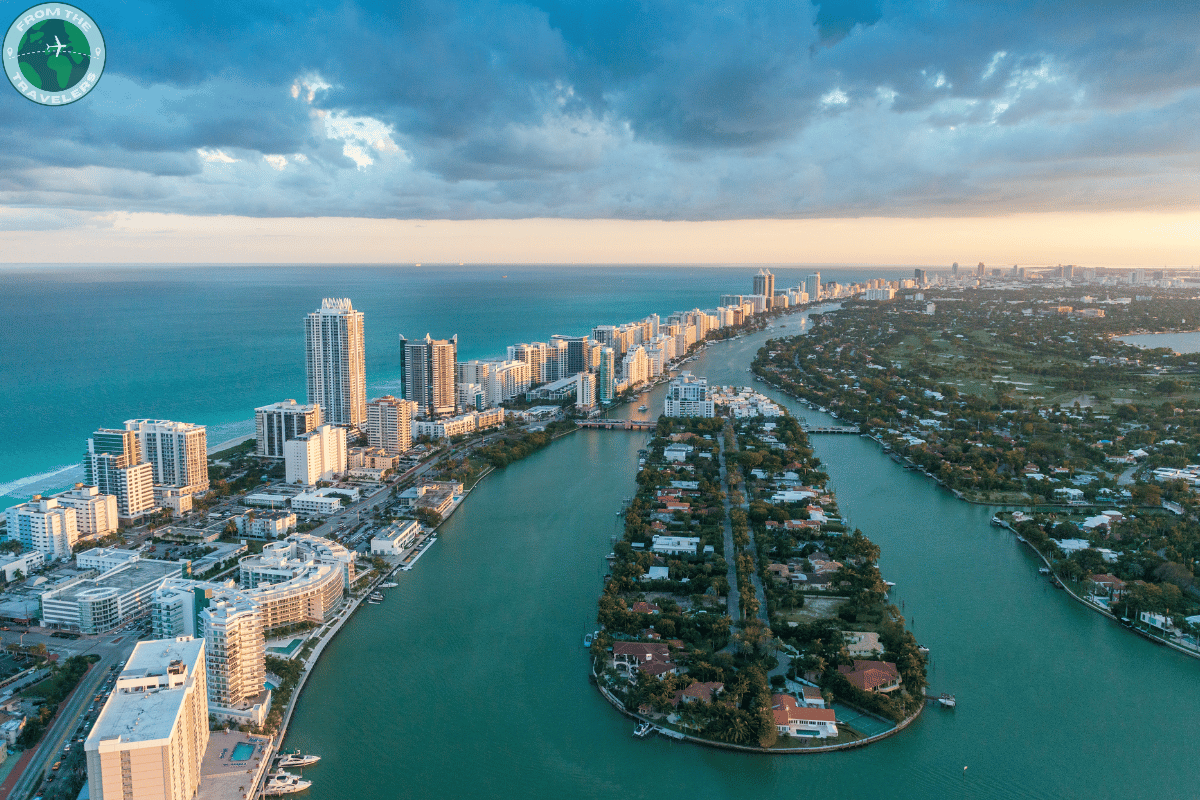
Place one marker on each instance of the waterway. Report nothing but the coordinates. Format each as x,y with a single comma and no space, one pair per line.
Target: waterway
1183,342
470,680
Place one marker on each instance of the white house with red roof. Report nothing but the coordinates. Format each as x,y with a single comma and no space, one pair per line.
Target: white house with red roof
793,719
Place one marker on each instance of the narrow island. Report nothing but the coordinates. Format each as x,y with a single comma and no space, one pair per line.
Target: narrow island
740,611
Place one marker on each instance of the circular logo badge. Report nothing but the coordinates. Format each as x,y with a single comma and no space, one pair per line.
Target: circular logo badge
53,54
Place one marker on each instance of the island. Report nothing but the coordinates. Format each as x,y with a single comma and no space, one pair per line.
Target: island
740,611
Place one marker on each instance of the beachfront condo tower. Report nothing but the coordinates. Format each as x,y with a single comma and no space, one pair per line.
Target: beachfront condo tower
335,362
113,464
279,422
429,373
178,452
389,424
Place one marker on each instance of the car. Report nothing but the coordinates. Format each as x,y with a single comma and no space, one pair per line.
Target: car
57,764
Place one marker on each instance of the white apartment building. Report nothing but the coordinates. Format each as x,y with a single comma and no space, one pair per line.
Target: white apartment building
475,371
114,465
108,601
335,364
279,422
507,379
95,513
429,369
688,396
585,394
389,424
269,524
319,455
235,650
635,368
178,452
102,559
150,737
43,525
471,396
445,428
812,286
532,354
316,503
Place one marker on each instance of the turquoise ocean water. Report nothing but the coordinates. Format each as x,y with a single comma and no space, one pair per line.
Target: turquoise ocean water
91,347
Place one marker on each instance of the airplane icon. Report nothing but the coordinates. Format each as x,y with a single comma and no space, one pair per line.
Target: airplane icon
57,47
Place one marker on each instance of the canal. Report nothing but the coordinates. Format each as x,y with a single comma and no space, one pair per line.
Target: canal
470,681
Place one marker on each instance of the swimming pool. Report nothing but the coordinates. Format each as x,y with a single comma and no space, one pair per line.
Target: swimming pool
242,751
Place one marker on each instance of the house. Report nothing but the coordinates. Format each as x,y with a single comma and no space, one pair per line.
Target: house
862,643
642,607
793,719
677,452
656,574
780,571
703,692
675,545
652,658
1111,585
872,676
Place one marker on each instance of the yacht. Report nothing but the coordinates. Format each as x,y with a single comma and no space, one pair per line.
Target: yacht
947,700
643,730
297,760
284,783
587,640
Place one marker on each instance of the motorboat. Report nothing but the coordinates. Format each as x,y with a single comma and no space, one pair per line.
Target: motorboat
284,783
297,759
587,640
643,730
947,700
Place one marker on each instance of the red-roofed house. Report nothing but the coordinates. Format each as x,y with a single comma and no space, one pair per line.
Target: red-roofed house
1111,584
794,719
811,696
872,676
642,607
698,691
649,657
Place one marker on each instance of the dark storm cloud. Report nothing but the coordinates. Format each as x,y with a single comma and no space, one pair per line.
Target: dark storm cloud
630,108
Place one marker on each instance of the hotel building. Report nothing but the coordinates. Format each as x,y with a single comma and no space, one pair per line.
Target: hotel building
335,362
178,452
688,396
45,526
280,422
95,513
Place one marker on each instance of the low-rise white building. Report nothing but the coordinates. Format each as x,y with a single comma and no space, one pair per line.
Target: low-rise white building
319,502
102,559
677,451
108,601
23,563
95,513
395,538
266,524
675,545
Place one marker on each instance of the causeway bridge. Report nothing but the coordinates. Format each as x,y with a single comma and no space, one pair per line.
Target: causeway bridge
830,429
619,424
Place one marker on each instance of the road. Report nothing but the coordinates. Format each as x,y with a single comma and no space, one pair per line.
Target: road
62,730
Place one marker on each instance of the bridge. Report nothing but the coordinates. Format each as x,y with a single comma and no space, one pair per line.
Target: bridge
619,424
831,429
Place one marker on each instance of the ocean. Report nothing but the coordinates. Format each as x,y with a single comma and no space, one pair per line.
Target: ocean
90,347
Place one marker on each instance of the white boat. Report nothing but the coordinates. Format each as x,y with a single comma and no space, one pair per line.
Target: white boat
587,640
297,759
284,783
643,730
947,700
388,585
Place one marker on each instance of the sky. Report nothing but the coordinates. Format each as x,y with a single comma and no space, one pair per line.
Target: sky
627,131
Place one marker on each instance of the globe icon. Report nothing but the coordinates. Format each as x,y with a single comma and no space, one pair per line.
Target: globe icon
54,55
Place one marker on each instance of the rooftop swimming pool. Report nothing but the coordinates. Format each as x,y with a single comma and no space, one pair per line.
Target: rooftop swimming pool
242,752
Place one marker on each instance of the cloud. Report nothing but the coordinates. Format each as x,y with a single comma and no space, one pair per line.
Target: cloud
638,109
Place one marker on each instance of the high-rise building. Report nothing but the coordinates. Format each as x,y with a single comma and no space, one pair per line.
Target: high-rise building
278,422
178,452
635,368
335,362
235,663
920,276
113,464
532,354
43,525
150,737
476,371
429,372
812,285
576,356
585,392
764,284
606,375
95,513
688,396
319,455
389,424
507,380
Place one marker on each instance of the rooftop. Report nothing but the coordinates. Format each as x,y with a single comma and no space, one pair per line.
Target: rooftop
147,716
124,578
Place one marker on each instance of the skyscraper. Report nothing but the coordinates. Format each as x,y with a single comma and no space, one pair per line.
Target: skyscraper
764,284
389,424
278,422
178,452
606,375
335,362
920,276
113,464
429,372
812,285
576,354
